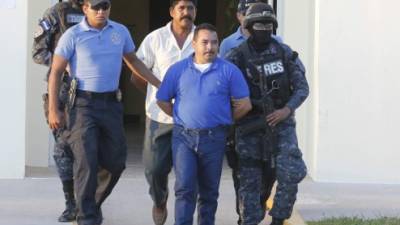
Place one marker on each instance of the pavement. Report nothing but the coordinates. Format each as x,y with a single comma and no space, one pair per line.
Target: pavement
38,199
324,200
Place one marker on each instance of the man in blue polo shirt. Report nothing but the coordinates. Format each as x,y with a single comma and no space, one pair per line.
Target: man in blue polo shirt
203,87
94,50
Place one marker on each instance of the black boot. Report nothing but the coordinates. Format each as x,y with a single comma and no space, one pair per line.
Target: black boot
277,221
69,213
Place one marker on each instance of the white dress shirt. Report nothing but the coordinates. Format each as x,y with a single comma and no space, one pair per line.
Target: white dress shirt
158,51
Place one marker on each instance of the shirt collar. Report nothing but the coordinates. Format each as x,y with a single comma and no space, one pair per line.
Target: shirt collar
239,34
169,28
188,40
214,64
85,26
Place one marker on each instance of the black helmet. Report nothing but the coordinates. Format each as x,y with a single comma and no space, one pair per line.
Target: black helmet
259,12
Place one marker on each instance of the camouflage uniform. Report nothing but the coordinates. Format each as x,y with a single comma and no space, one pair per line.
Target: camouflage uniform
55,21
254,171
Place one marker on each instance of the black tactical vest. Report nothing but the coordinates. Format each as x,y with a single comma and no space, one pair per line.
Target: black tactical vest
267,72
68,16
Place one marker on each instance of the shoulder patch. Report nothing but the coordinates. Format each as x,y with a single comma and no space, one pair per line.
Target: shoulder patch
46,25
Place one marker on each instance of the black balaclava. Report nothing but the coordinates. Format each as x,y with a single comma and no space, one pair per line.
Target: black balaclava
259,36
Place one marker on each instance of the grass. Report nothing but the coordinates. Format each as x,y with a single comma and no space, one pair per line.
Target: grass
356,221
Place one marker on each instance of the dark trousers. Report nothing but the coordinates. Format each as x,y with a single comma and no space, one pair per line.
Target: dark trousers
290,171
97,140
157,159
197,158
63,156
253,179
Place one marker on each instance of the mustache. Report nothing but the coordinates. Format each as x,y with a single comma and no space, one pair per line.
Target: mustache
187,17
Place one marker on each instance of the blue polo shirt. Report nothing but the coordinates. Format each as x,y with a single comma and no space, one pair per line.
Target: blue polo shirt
95,56
202,100
234,40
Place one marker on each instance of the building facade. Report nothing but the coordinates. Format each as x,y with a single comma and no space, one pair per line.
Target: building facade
347,128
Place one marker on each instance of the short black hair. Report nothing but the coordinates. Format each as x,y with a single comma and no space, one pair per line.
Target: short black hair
203,26
172,3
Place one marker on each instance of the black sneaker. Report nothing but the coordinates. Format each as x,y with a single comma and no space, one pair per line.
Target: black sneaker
68,215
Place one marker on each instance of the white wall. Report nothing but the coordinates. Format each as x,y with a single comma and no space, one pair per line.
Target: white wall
352,50
24,135
13,89
359,91
37,132
297,27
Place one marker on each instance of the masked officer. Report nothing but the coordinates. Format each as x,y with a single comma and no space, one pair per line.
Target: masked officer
229,43
277,88
55,21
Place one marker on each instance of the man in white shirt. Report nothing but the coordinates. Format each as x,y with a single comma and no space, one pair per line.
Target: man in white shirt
160,49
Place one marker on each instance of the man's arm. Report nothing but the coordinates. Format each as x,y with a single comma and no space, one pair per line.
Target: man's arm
241,107
297,79
138,68
58,66
300,89
166,107
140,83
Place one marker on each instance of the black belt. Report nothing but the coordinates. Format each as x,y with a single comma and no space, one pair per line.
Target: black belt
202,131
112,95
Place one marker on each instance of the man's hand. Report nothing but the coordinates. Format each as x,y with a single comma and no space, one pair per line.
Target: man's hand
277,116
56,119
166,107
138,68
241,107
139,83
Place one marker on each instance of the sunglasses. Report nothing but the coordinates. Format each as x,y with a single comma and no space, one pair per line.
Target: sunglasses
263,26
103,6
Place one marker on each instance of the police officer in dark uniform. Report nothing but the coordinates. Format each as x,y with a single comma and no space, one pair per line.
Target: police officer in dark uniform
55,21
265,139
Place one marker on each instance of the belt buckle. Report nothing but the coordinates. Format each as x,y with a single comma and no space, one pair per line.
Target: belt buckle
118,95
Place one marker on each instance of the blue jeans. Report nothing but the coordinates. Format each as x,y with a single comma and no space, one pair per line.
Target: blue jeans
197,159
